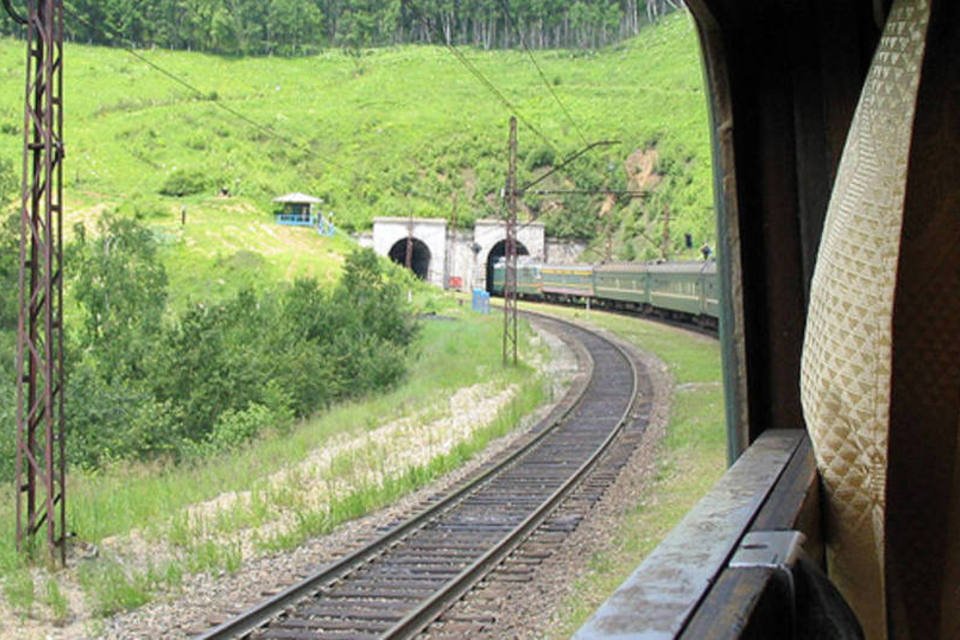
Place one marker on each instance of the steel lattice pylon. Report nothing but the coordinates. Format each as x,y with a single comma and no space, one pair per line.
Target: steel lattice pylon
510,270
40,460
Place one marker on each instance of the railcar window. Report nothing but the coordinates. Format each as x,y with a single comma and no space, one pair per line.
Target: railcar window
403,142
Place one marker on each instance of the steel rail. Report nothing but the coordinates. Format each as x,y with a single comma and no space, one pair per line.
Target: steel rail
419,619
255,618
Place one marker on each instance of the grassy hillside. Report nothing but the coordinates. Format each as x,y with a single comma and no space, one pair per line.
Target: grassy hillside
397,131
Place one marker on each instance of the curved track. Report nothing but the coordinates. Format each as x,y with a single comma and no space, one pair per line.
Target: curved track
400,583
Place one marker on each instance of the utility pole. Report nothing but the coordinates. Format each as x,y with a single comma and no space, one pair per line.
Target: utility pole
510,273
409,258
40,459
665,249
452,253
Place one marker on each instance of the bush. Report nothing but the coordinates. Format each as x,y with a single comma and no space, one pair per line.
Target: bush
218,375
8,182
144,209
540,157
234,428
8,441
183,182
116,420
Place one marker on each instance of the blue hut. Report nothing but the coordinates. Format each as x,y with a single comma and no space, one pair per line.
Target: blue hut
301,210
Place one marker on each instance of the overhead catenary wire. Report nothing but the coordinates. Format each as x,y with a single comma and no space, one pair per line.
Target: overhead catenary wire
543,77
129,48
482,79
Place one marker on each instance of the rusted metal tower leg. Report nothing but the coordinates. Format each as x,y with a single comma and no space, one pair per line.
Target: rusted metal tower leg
40,460
510,272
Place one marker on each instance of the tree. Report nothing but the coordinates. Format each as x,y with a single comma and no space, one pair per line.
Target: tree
357,29
121,288
294,27
374,325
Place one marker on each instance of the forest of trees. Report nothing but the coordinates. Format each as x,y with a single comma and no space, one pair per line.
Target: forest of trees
296,27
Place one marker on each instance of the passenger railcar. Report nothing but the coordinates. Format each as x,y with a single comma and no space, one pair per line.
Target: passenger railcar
567,283
686,291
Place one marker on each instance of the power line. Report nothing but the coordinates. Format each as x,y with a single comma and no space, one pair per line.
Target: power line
485,81
628,193
543,77
567,161
129,48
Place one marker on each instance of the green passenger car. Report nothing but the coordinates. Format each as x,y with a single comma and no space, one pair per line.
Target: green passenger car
623,285
567,281
678,290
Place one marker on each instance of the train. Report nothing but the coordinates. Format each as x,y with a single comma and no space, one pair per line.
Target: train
682,291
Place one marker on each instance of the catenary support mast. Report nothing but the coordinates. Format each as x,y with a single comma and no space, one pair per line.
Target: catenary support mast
40,459
510,271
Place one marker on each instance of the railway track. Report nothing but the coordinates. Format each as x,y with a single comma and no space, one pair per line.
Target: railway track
399,584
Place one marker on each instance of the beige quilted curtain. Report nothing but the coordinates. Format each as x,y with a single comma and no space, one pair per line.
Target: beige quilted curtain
848,349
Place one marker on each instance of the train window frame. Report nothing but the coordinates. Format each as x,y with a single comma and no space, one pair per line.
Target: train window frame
778,124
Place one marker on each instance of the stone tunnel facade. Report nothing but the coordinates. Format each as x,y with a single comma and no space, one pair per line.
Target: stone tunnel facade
457,259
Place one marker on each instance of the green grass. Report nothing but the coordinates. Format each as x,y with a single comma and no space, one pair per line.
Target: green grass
226,246
406,136
691,457
152,499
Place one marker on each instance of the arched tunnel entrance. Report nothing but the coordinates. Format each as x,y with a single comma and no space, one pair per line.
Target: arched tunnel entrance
498,251
419,258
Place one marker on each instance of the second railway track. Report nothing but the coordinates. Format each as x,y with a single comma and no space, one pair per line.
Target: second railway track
398,584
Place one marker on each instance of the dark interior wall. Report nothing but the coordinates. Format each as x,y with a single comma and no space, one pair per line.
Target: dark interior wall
922,514
785,77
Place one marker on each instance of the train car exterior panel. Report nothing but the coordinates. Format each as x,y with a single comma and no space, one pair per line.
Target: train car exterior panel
568,280
680,290
625,283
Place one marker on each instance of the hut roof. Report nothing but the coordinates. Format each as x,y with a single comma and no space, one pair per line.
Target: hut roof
297,198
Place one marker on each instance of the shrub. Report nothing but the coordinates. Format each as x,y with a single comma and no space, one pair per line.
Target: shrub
198,142
541,157
8,441
183,182
144,208
234,428
8,181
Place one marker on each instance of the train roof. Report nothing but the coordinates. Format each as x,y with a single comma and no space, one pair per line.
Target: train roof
658,267
566,267
709,267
